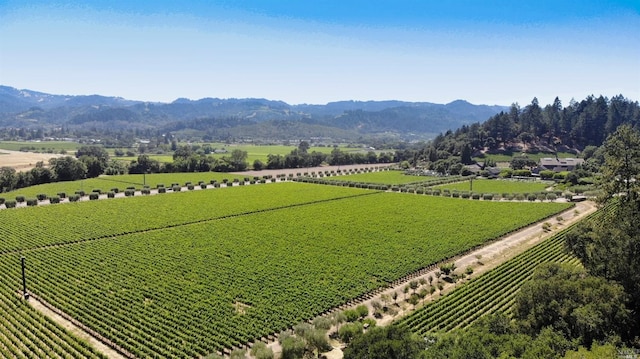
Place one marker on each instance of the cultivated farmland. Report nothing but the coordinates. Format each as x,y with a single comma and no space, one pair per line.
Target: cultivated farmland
384,177
121,182
497,186
190,273
492,292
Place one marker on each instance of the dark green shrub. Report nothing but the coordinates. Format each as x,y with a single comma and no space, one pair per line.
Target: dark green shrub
129,193
190,187
74,198
54,200
80,193
20,199
351,315
111,194
475,196
160,185
115,190
2,200
98,191
162,190
41,197
146,191
93,196
62,195
203,185
10,204
176,188
32,202
132,188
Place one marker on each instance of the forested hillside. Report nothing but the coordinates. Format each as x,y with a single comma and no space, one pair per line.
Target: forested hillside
535,128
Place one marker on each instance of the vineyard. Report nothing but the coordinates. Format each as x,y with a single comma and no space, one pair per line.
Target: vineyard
384,177
497,186
492,292
25,333
166,275
102,219
122,182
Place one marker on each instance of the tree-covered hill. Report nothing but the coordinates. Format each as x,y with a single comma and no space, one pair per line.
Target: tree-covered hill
549,128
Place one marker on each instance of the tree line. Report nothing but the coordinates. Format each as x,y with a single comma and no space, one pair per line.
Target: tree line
93,161
576,126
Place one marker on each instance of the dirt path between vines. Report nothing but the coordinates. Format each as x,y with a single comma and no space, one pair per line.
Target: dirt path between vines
75,330
481,260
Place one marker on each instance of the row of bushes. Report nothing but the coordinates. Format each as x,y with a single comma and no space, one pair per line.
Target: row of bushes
129,192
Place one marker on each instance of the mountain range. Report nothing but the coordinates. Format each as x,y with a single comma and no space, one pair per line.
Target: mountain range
245,117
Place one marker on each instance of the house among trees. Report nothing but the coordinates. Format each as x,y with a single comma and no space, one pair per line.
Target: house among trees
560,164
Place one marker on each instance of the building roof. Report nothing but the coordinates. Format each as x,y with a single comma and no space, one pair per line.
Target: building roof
560,162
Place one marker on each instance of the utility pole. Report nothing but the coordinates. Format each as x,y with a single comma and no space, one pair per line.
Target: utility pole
24,281
470,184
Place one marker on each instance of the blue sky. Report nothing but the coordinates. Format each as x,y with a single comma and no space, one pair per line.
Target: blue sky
489,52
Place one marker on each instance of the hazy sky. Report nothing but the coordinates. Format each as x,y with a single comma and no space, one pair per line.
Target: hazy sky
304,51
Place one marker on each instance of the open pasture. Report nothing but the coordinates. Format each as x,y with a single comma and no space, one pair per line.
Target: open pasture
203,281
497,186
507,157
41,146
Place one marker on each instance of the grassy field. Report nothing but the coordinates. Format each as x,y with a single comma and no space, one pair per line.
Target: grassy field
534,156
43,146
168,279
497,186
383,177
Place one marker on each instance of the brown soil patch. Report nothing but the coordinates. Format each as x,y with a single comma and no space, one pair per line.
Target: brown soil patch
23,161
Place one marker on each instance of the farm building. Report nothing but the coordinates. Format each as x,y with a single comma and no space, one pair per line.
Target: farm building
560,164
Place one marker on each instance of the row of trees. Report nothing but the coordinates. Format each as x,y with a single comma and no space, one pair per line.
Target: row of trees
301,158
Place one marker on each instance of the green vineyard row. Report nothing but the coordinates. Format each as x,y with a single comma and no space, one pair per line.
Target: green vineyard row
495,291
